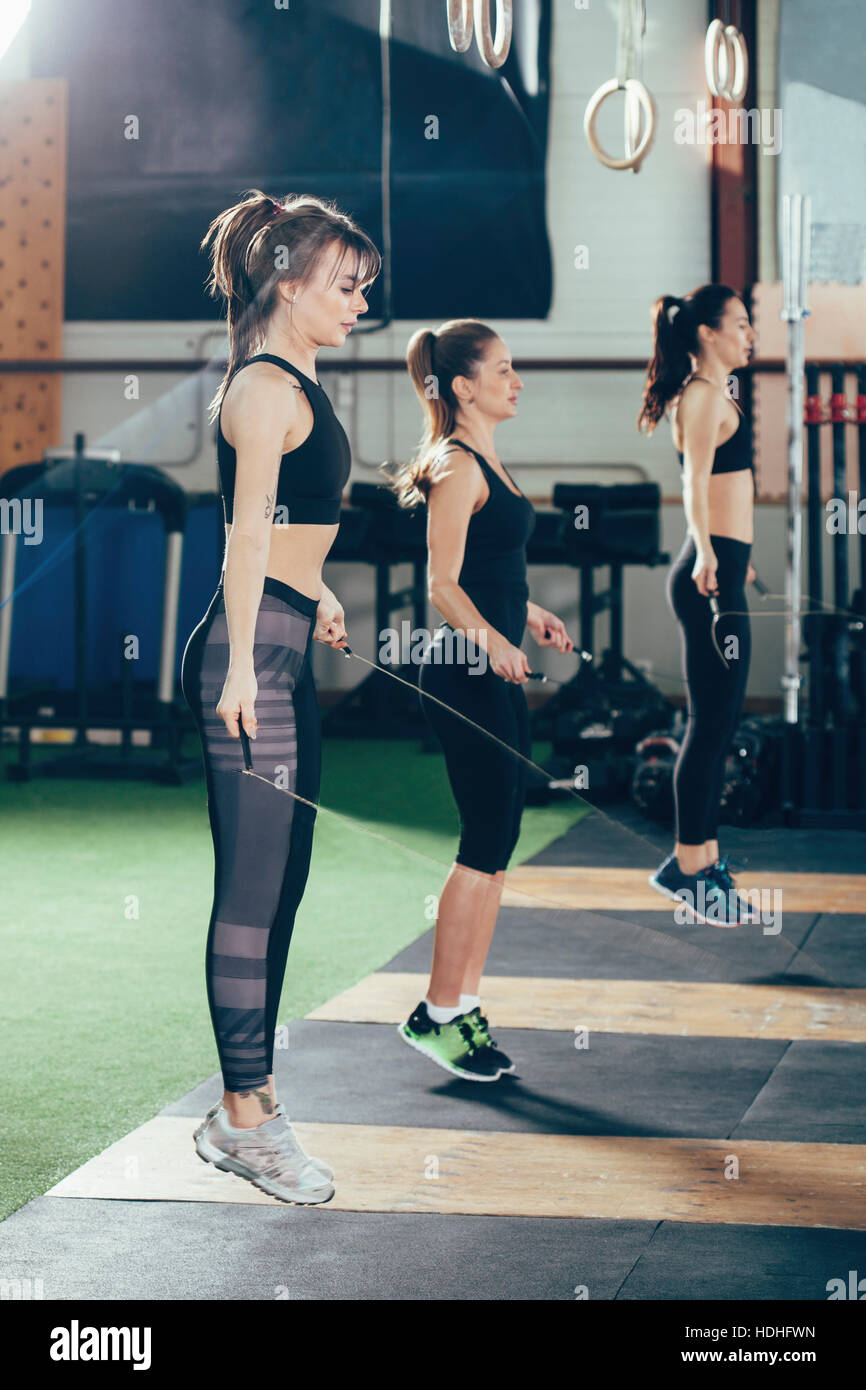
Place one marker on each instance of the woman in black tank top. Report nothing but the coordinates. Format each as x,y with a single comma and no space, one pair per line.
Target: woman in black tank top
699,342
478,526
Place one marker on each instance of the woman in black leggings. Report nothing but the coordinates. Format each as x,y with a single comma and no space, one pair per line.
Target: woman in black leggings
699,342
478,526
247,675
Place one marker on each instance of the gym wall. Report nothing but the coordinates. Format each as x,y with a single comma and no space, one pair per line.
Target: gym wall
645,234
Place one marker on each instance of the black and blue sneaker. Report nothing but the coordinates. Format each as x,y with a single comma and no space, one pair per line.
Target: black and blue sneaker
706,898
722,876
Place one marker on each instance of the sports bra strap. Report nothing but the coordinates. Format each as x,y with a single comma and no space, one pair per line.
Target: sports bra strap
474,452
281,362
695,377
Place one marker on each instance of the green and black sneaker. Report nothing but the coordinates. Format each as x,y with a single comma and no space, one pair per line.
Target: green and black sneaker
481,1034
451,1046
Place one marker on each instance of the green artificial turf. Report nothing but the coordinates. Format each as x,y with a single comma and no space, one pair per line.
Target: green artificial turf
107,891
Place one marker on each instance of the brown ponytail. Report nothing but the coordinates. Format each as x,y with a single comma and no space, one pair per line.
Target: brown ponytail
258,243
434,360
675,342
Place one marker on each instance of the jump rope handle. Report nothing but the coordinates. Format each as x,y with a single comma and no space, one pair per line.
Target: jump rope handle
245,745
540,676
759,585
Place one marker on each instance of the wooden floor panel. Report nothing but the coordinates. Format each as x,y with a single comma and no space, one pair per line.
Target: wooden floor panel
393,1169
624,890
682,1008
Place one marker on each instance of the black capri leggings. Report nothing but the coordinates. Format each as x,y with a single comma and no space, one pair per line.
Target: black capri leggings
715,695
489,784
262,836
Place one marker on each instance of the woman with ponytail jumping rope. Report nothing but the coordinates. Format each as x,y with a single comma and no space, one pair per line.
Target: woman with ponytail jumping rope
478,526
699,341
292,275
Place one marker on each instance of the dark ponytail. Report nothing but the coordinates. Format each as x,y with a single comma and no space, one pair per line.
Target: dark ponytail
259,242
675,342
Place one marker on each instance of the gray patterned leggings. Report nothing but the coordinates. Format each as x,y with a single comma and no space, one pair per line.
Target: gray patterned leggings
262,837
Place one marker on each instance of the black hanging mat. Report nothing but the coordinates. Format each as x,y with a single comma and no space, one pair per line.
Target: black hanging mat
228,96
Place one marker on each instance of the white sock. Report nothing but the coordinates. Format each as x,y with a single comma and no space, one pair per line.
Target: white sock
223,1117
443,1013
468,1002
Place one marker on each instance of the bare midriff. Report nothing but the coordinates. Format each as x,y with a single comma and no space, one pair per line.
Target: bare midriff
731,505
297,554
730,498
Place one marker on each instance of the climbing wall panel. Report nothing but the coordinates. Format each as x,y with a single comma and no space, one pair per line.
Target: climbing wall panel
33,142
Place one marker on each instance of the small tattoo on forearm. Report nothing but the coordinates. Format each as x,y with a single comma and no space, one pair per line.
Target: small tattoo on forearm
269,503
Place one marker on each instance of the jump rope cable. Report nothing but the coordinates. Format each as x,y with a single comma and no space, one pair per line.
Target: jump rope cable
827,610
643,931
553,910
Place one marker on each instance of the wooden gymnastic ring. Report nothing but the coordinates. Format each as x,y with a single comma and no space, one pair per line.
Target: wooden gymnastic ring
460,24
591,115
494,54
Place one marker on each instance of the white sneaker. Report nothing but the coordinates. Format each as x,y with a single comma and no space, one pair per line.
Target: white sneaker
268,1156
324,1168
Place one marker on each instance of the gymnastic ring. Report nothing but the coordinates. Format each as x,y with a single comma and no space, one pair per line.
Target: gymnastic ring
631,122
631,84
725,52
494,54
460,24
713,45
737,89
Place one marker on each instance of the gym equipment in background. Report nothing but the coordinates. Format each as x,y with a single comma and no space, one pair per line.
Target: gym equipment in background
377,531
749,786
652,785
726,62
834,633
639,108
824,761
858,602
795,262
97,477
595,719
466,16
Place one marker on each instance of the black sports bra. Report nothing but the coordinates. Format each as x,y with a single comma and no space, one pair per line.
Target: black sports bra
735,454
496,538
312,477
